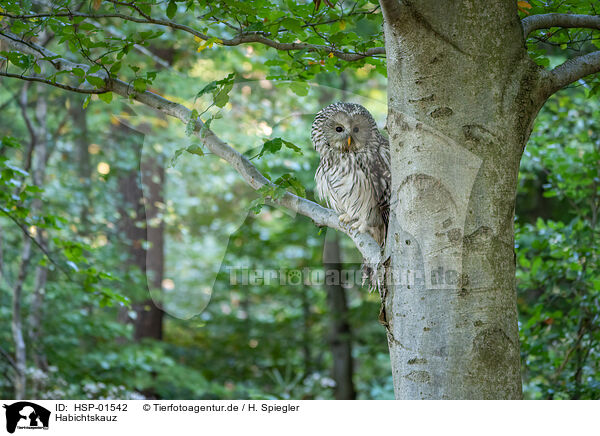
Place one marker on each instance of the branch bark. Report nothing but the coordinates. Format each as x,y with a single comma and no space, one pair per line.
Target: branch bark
568,21
244,38
568,72
370,250
56,84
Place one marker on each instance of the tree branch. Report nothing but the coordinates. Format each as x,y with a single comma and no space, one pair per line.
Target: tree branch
8,358
545,21
244,38
569,72
370,250
58,85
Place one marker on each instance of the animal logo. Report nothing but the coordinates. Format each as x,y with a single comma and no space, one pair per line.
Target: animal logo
27,415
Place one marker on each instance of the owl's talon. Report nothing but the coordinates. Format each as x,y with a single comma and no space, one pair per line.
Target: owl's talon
360,226
345,218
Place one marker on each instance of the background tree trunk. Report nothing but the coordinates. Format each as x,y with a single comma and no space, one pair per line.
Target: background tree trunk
150,321
340,335
36,313
459,116
144,232
20,378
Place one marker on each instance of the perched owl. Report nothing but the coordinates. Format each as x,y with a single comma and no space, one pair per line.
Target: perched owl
353,177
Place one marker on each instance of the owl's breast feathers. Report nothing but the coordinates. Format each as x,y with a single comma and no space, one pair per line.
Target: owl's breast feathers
358,184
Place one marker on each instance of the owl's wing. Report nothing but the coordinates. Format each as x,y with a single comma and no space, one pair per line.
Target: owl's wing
382,178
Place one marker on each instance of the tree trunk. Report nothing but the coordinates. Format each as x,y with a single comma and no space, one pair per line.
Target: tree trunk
84,165
150,321
20,378
143,228
36,313
340,335
459,115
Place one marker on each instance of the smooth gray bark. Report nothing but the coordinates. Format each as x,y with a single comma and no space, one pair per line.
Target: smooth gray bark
460,113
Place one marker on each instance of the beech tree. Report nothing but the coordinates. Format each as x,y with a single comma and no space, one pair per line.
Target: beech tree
465,82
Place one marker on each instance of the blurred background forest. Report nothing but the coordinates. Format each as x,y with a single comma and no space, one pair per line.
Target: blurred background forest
119,235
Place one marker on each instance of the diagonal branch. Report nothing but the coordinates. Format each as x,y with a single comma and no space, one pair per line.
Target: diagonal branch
569,72
56,84
370,250
545,21
243,38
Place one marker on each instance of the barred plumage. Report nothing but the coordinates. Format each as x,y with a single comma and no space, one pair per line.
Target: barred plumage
353,177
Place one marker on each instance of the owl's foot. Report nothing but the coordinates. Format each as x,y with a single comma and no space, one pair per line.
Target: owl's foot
345,219
360,226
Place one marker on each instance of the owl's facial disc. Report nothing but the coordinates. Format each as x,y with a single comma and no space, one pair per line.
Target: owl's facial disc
347,133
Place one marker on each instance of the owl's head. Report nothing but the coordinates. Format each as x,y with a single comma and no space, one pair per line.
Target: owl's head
343,127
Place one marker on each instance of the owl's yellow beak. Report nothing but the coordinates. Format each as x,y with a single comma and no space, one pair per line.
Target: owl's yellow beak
349,141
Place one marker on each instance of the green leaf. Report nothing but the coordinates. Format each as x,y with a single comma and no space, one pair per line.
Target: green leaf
171,9
257,205
195,149
106,97
9,141
79,72
271,146
175,157
191,125
115,67
219,89
299,88
95,81
292,24
291,146
86,27
139,84
291,182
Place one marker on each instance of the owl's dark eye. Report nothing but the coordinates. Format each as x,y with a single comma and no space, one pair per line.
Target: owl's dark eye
339,129
355,130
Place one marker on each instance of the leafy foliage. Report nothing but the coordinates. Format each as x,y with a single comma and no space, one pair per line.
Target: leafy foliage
550,47
557,253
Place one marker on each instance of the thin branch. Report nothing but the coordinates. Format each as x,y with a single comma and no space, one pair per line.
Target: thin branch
581,332
368,247
8,357
569,72
568,21
140,48
58,85
35,241
244,38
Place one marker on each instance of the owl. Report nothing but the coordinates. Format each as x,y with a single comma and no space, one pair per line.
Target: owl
353,176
